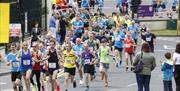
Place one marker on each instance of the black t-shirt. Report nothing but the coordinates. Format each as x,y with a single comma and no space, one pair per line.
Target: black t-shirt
149,38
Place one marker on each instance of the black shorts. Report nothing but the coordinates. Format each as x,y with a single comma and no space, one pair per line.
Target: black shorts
50,72
135,40
71,71
42,69
89,69
15,75
119,49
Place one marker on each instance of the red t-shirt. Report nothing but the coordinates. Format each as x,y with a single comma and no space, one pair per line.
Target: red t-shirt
36,66
128,45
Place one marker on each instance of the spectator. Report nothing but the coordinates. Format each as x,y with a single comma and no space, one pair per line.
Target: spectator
176,58
35,33
134,6
148,60
52,25
167,68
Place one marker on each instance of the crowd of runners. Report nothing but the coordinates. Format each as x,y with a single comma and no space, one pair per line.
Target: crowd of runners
78,41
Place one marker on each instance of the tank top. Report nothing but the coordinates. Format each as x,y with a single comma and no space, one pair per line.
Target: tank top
103,54
68,59
128,45
53,60
36,66
87,57
26,61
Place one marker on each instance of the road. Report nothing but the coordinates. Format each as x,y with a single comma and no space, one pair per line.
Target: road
119,79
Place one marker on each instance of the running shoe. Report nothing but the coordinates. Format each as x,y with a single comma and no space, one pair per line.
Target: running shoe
20,88
81,82
120,62
74,84
126,69
117,65
87,88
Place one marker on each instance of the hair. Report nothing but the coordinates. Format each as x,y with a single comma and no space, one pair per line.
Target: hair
145,47
52,40
177,50
167,55
14,44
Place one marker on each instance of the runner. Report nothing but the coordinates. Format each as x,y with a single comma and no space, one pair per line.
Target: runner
78,48
77,26
53,63
150,39
25,57
88,59
36,56
104,51
118,46
129,49
15,68
69,58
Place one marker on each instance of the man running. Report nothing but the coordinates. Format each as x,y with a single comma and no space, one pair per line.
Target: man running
88,58
69,59
15,68
78,48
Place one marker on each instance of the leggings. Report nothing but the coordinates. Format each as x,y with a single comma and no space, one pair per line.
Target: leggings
37,73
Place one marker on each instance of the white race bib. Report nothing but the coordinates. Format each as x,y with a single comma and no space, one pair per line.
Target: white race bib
117,38
148,38
127,45
68,61
87,61
15,64
52,65
26,62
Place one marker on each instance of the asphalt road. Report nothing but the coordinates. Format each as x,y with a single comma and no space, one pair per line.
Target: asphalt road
119,79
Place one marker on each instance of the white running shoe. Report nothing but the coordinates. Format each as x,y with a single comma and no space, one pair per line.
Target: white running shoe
81,82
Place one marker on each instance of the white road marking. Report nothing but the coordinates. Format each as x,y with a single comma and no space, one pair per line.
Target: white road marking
7,90
113,90
132,84
2,83
168,47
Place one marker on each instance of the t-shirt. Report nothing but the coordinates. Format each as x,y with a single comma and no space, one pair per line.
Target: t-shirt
78,26
176,58
78,49
133,30
69,58
104,52
149,37
15,65
119,39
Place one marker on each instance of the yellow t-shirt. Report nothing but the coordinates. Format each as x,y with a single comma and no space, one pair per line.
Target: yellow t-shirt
69,58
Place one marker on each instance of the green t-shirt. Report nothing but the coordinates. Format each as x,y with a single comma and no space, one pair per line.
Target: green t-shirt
104,54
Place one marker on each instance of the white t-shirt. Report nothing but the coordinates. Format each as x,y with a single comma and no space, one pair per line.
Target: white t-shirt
176,58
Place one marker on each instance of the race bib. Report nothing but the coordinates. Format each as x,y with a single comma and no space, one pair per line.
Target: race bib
127,45
15,64
87,61
117,39
26,62
148,38
52,65
68,61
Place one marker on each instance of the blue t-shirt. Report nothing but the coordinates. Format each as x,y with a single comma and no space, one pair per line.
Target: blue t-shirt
15,65
78,49
79,24
119,39
85,3
102,24
175,3
133,30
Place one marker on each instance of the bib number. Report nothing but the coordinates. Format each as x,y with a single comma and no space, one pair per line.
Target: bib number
26,62
148,39
15,64
87,61
68,61
117,38
52,65
127,45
